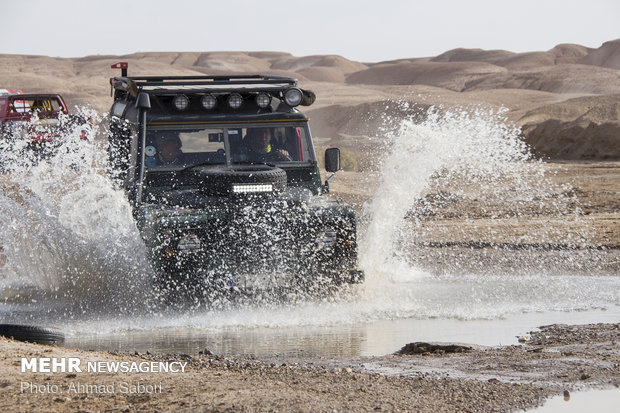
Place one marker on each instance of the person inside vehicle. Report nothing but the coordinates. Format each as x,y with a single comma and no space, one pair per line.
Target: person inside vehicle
169,150
259,148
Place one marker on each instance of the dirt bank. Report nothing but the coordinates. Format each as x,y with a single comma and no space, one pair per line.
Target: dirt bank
555,359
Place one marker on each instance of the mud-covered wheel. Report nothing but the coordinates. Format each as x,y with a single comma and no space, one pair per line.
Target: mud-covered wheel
32,334
219,179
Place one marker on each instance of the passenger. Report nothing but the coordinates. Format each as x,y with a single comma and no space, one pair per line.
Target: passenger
169,150
259,146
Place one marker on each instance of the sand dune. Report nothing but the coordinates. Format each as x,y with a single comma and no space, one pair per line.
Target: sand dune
580,128
591,108
538,88
566,78
473,55
561,54
608,55
569,53
449,75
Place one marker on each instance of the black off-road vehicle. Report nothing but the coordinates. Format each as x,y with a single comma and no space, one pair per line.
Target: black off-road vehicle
224,182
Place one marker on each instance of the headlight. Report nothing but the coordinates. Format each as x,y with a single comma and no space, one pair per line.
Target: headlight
292,97
189,243
263,100
208,102
235,100
180,102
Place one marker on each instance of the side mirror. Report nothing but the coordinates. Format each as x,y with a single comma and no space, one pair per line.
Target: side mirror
332,160
143,101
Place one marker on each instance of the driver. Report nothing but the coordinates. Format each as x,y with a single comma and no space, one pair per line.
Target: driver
259,147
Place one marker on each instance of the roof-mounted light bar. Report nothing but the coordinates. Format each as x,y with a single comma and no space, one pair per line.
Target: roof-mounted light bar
210,89
208,102
180,102
235,100
263,100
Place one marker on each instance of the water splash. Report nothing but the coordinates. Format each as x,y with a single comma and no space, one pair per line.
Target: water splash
68,239
474,162
70,243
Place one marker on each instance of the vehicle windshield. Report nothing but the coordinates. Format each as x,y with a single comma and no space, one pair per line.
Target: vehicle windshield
180,148
21,104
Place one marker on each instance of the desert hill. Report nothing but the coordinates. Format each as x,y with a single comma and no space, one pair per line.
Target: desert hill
569,91
608,55
580,128
561,54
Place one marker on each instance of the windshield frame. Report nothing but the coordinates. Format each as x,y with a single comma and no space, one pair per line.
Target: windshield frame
225,127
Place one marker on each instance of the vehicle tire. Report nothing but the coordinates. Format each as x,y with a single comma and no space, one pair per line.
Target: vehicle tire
220,178
32,334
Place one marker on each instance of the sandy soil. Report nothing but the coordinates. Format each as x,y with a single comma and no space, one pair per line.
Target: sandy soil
556,359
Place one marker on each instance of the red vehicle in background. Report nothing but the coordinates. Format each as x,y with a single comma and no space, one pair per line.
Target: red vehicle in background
38,115
34,125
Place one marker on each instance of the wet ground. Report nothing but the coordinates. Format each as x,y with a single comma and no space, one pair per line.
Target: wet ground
555,361
363,339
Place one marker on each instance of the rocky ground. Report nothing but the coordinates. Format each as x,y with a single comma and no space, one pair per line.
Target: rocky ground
551,361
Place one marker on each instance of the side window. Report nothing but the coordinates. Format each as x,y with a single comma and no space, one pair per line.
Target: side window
20,106
55,105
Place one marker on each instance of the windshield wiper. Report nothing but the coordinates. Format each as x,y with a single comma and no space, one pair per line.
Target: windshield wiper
254,163
206,163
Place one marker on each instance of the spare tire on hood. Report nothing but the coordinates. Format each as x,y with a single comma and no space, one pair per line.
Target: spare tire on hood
219,179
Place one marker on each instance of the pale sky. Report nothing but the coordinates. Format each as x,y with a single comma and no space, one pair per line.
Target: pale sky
367,31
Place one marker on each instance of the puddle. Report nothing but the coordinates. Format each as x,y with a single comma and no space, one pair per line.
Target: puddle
359,339
600,401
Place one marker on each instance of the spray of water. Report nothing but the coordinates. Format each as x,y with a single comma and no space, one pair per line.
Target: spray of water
68,239
474,159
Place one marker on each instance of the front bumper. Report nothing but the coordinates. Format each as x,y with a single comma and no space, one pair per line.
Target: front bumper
301,242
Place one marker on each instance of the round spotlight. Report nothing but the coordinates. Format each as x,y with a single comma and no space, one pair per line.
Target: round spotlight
292,97
180,102
208,102
263,100
235,100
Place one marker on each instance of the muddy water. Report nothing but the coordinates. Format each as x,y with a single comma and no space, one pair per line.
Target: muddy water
485,310
358,339
72,258
600,401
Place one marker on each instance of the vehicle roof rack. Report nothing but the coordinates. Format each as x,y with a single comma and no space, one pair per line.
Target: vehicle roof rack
179,84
